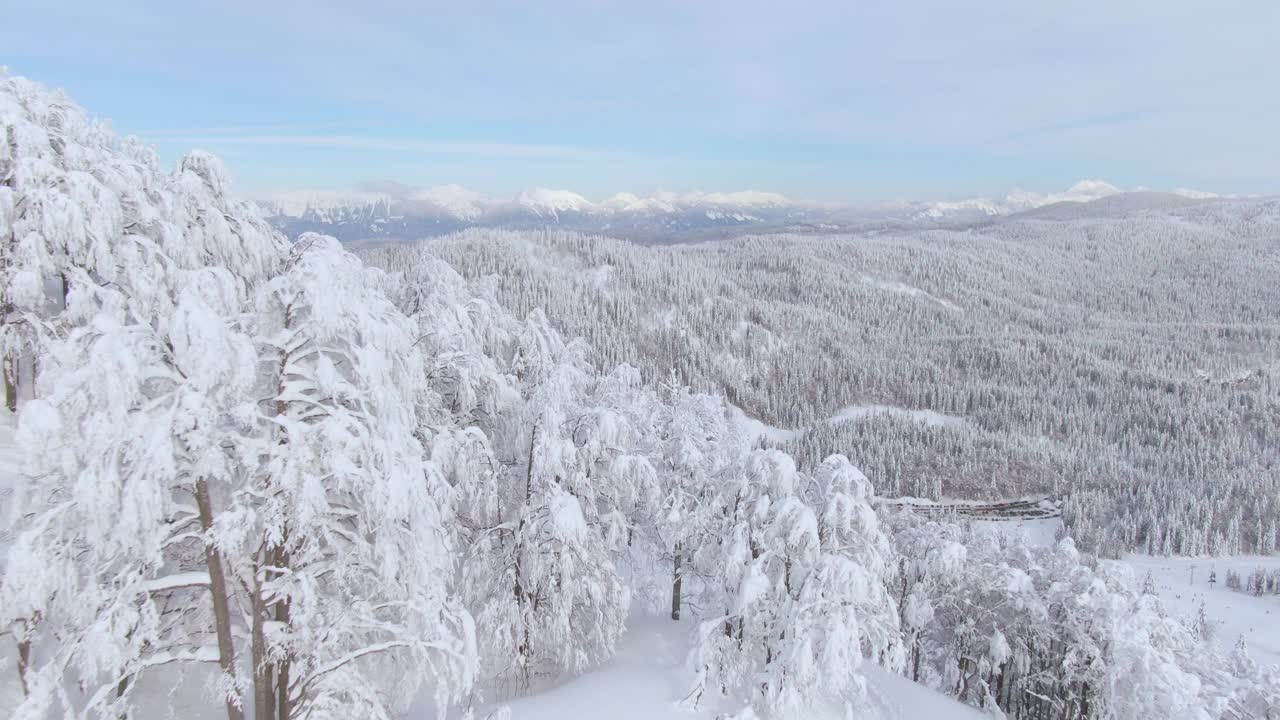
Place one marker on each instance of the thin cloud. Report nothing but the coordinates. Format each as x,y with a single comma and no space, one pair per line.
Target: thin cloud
165,133
407,145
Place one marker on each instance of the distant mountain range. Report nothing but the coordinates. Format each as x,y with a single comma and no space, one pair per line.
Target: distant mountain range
402,213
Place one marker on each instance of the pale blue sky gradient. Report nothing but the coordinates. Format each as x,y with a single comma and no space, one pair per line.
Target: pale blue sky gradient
855,101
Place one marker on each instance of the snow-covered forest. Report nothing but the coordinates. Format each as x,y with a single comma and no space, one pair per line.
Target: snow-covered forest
1126,363
432,480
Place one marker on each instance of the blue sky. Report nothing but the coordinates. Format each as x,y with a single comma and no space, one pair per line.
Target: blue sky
856,101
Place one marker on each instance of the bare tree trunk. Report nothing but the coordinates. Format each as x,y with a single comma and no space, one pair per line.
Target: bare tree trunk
522,595
218,589
10,388
676,577
24,661
263,687
121,688
284,706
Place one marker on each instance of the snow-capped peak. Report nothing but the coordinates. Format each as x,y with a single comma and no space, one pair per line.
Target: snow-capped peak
1083,191
1018,200
553,202
455,200
1092,189
629,202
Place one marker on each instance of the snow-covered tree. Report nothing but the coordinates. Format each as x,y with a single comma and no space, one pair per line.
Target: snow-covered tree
697,441
226,444
338,536
539,576
132,432
860,559
133,324
802,591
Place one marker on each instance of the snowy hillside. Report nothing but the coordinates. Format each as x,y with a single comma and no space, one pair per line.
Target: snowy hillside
1119,355
1233,613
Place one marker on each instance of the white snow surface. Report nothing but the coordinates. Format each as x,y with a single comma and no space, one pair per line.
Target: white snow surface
1018,200
455,200
905,289
553,202
757,429
1032,532
928,417
1230,612
647,680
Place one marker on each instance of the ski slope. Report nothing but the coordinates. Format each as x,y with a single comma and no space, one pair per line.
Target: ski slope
1183,583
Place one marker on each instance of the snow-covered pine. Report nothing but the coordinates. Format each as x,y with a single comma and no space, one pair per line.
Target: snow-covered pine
800,593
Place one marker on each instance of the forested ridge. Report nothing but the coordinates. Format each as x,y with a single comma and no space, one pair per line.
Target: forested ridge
332,488
1126,363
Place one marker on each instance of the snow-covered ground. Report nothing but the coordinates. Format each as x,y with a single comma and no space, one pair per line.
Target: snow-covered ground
1033,532
647,680
928,417
758,429
900,287
1183,583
